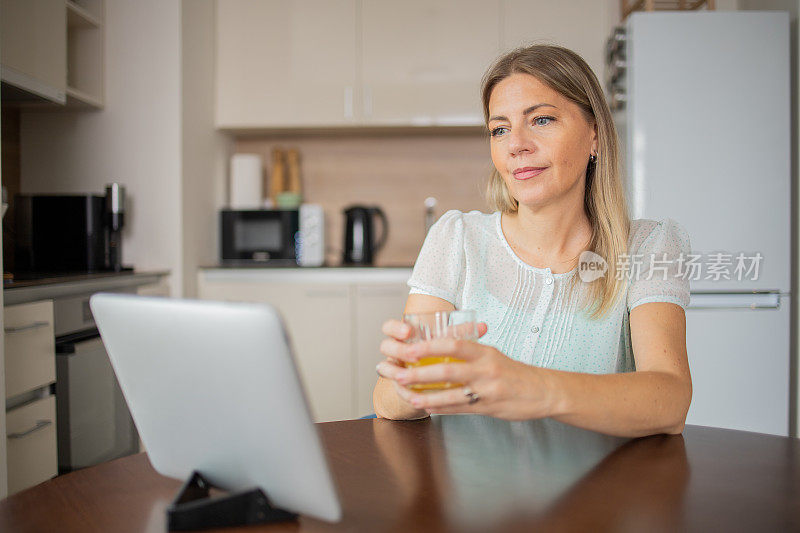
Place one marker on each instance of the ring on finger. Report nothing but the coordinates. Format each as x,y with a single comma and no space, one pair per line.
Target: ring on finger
473,396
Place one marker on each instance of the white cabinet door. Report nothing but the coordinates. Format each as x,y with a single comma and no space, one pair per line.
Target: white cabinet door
318,319
422,60
285,63
575,24
374,304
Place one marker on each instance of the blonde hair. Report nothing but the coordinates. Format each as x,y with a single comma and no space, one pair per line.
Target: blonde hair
567,73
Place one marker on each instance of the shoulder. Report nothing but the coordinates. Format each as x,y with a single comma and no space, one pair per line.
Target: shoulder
646,233
455,221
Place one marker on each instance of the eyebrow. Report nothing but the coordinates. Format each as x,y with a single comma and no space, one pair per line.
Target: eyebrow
528,111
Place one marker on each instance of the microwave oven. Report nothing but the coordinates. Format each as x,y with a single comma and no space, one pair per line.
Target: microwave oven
273,237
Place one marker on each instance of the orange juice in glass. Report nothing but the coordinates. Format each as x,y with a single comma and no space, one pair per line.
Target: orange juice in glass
458,324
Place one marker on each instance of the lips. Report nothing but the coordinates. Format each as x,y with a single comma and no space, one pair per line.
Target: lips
525,173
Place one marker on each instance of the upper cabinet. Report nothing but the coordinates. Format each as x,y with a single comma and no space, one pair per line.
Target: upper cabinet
376,63
579,25
421,61
53,49
33,47
285,64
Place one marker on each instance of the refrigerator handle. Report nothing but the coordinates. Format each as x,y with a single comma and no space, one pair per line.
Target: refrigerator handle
733,300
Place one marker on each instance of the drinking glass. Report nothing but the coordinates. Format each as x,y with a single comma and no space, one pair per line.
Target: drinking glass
459,324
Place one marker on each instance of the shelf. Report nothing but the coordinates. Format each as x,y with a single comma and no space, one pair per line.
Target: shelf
85,55
78,98
78,17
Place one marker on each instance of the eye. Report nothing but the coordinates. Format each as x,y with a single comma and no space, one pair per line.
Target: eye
500,130
542,121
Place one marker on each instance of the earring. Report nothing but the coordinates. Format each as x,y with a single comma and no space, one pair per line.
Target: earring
592,158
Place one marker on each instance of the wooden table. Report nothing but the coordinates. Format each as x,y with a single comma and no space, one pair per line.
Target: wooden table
471,473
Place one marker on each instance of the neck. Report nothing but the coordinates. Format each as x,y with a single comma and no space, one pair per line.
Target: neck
553,235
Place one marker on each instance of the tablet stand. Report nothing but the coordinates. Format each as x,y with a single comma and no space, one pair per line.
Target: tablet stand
194,509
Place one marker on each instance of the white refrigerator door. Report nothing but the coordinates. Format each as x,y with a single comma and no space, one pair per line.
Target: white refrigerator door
738,348
708,133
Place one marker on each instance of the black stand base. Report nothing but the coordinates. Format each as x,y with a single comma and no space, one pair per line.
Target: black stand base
194,509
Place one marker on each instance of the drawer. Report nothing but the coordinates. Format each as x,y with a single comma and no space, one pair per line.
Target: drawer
31,444
29,346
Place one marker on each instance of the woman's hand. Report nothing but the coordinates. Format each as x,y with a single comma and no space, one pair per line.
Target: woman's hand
505,388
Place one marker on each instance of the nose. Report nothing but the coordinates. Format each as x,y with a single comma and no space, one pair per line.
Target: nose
520,142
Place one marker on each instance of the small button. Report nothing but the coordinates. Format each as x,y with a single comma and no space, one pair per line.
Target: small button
548,280
535,329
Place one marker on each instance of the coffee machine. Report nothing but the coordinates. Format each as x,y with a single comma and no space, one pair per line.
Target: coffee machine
115,218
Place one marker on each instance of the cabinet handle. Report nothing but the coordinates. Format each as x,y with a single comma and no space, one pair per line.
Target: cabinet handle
35,325
39,425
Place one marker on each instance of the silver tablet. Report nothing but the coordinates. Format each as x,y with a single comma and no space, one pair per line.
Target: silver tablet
213,387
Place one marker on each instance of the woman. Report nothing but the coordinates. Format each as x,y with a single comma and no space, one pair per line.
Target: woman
607,354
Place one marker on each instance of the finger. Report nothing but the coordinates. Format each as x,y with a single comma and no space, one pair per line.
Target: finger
388,370
403,392
397,329
452,372
446,399
458,348
398,350
454,409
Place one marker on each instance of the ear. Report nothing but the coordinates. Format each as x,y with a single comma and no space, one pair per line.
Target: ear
595,142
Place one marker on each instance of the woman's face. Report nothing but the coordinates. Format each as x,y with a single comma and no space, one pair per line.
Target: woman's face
540,141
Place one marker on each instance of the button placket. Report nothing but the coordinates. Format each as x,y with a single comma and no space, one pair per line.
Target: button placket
541,308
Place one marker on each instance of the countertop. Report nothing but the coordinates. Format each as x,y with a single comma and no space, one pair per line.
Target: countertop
344,274
48,287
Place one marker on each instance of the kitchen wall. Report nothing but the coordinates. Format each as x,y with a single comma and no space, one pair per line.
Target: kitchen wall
392,170
203,150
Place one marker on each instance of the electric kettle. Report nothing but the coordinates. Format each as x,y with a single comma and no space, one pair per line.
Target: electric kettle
360,245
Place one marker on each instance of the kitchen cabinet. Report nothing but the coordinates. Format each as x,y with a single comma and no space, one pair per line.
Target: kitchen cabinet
160,289
373,305
334,319
85,53
575,24
33,43
53,49
29,347
377,63
31,444
318,320
322,63
31,454
421,61
285,64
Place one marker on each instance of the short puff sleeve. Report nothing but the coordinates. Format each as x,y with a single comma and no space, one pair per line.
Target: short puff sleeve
656,261
439,268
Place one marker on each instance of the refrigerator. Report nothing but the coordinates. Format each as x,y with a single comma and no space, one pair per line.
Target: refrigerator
702,105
